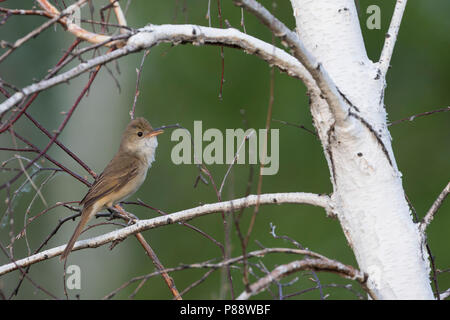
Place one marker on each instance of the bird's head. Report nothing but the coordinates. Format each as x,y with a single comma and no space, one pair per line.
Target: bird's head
139,138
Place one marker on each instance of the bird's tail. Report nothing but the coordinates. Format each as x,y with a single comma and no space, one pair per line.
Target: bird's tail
86,215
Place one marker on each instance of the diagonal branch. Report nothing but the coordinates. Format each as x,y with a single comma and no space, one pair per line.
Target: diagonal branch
413,117
335,99
148,249
434,208
180,216
391,36
31,35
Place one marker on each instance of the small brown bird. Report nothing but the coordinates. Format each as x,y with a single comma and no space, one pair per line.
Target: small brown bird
123,175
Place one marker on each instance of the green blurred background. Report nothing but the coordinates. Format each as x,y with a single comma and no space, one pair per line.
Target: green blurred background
181,84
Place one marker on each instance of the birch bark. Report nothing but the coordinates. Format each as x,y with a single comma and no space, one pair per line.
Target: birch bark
368,196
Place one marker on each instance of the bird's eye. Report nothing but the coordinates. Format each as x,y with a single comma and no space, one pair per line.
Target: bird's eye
140,133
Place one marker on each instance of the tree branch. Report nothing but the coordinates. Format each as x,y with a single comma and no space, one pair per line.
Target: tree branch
445,294
322,264
31,35
79,32
331,93
391,36
180,216
434,208
153,35
151,253
415,116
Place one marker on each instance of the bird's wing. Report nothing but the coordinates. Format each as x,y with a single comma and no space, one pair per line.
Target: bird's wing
116,175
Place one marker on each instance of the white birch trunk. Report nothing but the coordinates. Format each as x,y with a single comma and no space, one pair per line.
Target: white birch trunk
368,195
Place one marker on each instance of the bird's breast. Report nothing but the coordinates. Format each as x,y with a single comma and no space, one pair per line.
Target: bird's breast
149,149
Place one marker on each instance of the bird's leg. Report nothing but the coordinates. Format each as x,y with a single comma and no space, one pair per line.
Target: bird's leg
113,214
126,215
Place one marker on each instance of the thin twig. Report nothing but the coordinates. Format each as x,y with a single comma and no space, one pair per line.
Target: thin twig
427,246
331,285
26,276
259,187
62,146
190,226
30,101
138,78
298,245
297,126
62,125
196,283
22,167
31,35
79,32
236,156
152,255
24,12
434,208
63,168
413,117
222,54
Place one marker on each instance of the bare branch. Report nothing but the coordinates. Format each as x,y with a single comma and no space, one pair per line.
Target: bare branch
196,283
138,78
288,38
23,12
391,36
61,17
152,35
445,294
434,208
325,264
413,117
28,277
180,216
61,126
45,84
30,35
300,126
60,63
79,32
151,253
236,156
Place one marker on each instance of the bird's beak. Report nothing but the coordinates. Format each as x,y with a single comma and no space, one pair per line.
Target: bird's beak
154,133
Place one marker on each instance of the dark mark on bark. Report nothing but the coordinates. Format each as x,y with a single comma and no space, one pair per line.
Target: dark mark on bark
347,100
377,136
330,153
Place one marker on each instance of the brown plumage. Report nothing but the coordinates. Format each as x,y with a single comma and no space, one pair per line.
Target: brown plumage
123,175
